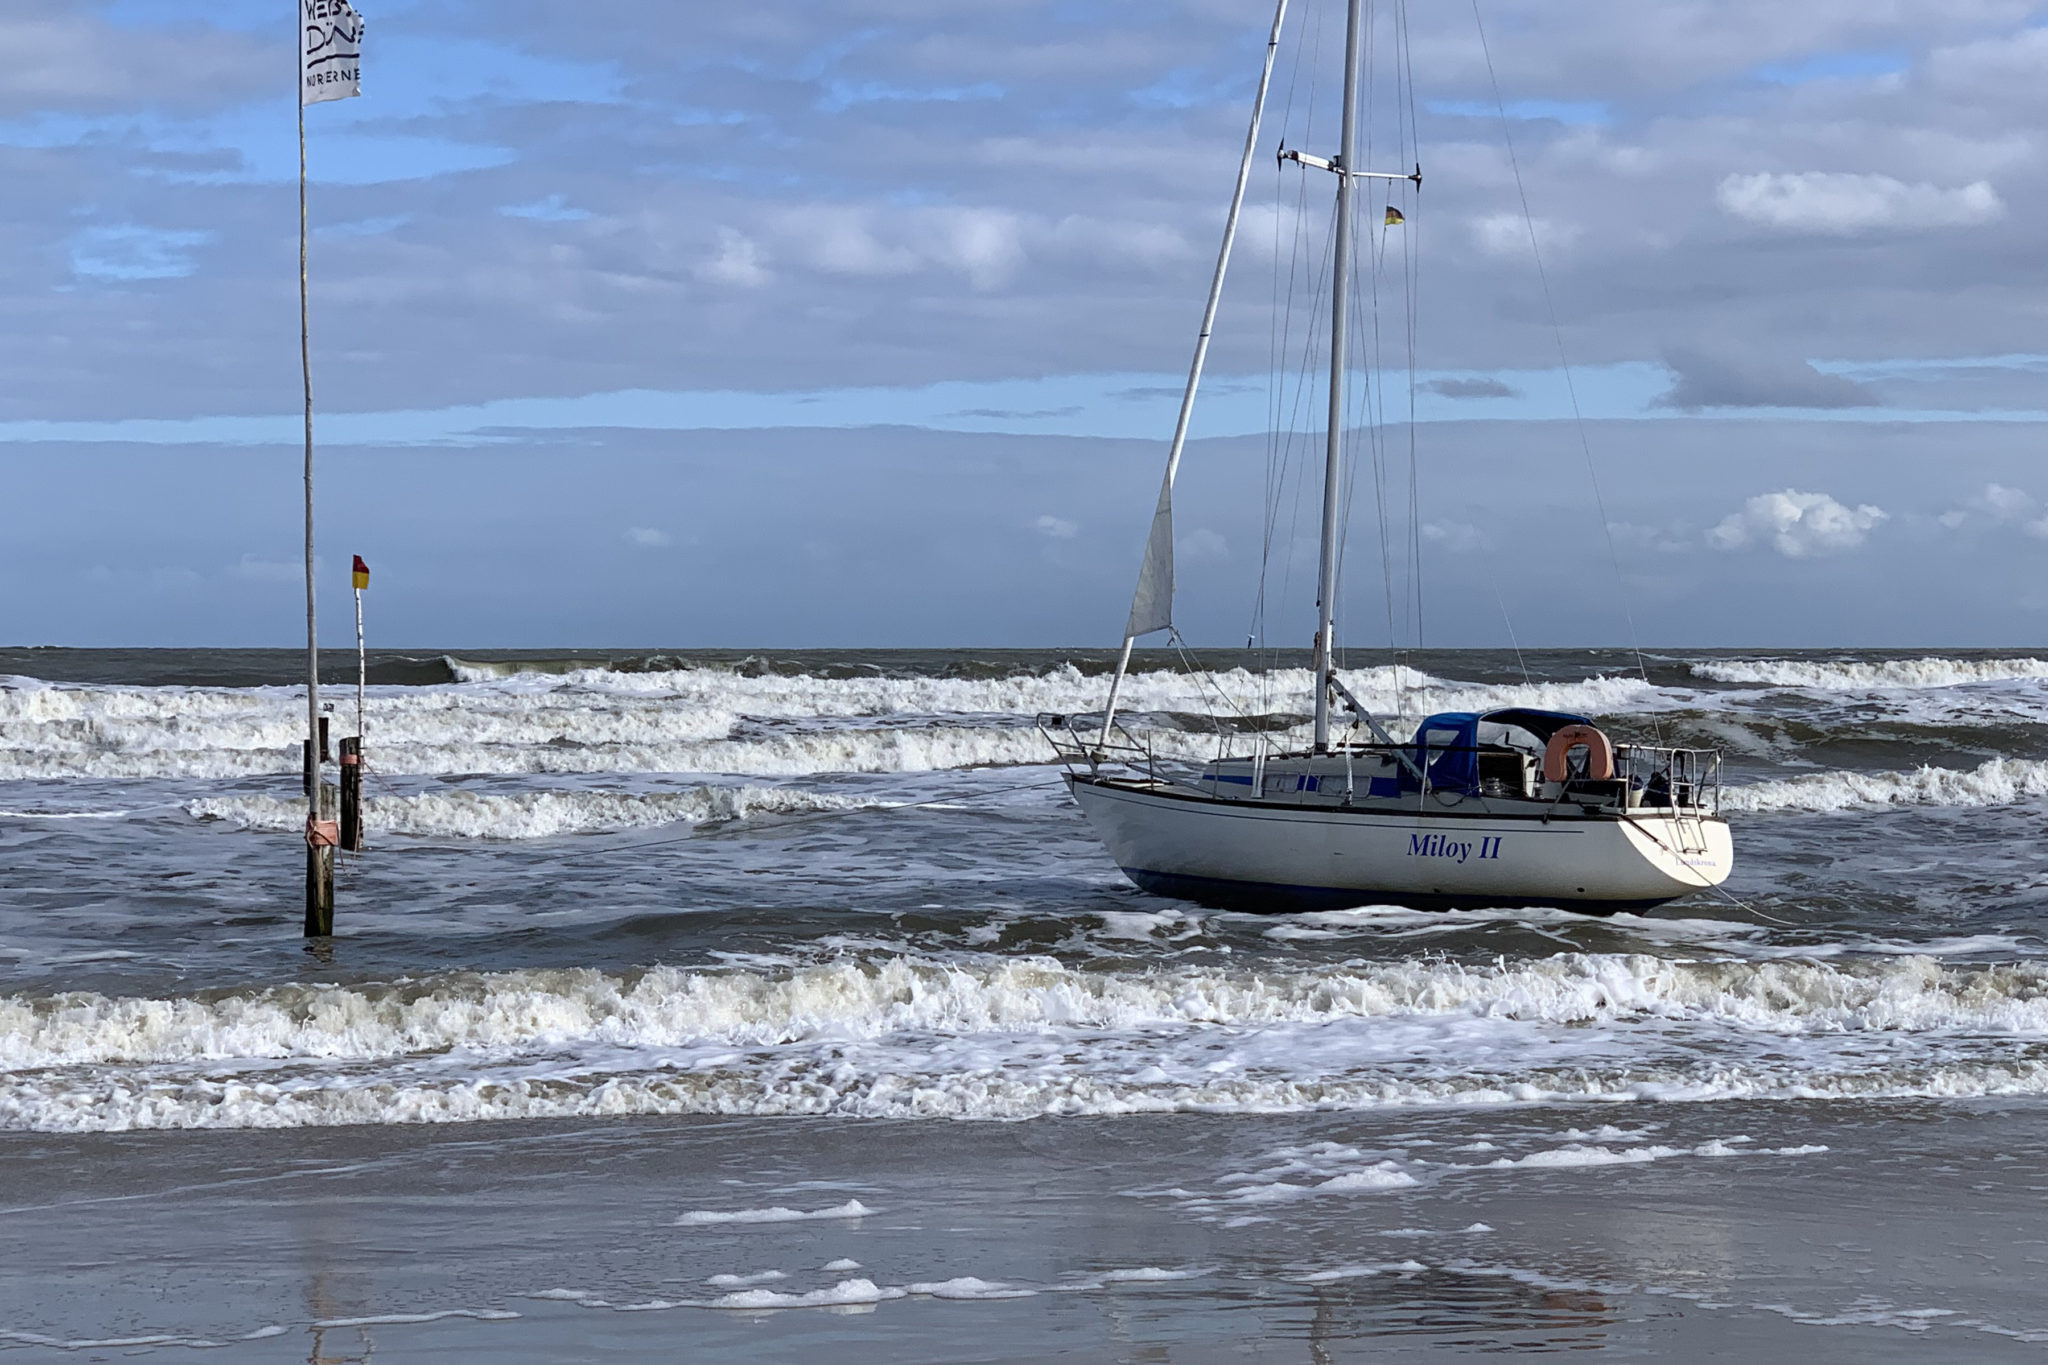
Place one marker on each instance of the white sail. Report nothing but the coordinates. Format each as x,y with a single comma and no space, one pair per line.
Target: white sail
1152,603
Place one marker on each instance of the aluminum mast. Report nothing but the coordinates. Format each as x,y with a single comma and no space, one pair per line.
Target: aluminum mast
1333,455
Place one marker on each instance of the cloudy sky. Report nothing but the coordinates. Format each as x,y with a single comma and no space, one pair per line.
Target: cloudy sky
644,323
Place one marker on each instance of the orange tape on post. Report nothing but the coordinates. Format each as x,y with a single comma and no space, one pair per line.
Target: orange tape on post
322,833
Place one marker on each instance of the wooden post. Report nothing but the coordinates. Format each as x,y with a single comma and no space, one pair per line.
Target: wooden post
322,835
352,794
319,891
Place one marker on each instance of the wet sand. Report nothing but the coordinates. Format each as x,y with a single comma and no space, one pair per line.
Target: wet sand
1918,1233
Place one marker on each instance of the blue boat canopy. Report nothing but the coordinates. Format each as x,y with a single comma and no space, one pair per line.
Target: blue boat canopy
1446,744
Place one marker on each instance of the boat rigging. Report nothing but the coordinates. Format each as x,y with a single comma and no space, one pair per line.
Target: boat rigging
1507,807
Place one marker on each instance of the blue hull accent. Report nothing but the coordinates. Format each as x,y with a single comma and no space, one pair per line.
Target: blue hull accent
1273,898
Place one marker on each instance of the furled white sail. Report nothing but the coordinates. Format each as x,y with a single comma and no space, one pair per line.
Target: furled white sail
1152,603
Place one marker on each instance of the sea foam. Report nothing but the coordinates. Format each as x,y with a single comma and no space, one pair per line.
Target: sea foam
1998,782
545,1009
1854,676
700,1218
1000,1038
690,720
532,814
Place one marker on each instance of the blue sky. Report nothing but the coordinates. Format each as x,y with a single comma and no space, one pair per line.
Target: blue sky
863,324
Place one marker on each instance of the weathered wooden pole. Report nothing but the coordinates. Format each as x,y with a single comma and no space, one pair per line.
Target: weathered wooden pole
320,879
352,794
319,850
322,834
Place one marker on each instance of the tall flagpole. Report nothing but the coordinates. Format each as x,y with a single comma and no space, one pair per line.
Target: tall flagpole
330,52
319,858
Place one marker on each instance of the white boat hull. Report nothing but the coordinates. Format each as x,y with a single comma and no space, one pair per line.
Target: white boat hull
1259,855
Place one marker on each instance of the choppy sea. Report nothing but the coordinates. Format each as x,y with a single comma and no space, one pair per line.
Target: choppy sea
781,1002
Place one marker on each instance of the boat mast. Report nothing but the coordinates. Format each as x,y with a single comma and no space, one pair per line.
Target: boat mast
1333,456
1152,601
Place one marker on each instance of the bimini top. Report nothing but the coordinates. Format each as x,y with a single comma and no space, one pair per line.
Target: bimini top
1445,743
1542,724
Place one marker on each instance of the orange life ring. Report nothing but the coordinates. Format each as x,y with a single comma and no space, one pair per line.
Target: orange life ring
1557,754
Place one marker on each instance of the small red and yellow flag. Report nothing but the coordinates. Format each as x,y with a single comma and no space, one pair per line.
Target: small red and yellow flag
362,574
1394,217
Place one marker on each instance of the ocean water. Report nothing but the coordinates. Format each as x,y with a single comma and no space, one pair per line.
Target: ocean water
778,1003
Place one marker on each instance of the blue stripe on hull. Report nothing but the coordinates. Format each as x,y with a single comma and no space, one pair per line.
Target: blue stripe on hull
1274,898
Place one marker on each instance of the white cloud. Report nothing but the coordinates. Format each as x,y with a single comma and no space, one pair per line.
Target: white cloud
132,252
1507,235
255,570
738,262
1797,525
985,245
1270,231
1456,536
1056,528
1119,242
647,537
64,59
1841,204
2002,506
1638,536
981,244
2005,66
1202,543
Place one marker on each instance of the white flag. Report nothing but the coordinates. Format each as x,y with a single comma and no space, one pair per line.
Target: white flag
330,55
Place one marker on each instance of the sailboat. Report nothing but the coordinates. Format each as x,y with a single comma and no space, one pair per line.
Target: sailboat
1504,808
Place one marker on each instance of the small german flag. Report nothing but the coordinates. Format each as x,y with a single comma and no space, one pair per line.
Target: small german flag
1394,217
362,574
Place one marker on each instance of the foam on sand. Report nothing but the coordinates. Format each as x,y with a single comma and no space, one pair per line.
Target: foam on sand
1148,1274
1579,1156
846,1292
968,1287
1357,1272
698,1218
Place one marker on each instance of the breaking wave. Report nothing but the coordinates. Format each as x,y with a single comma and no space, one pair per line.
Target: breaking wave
1999,782
687,720
533,814
1066,689
999,1038
1889,673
